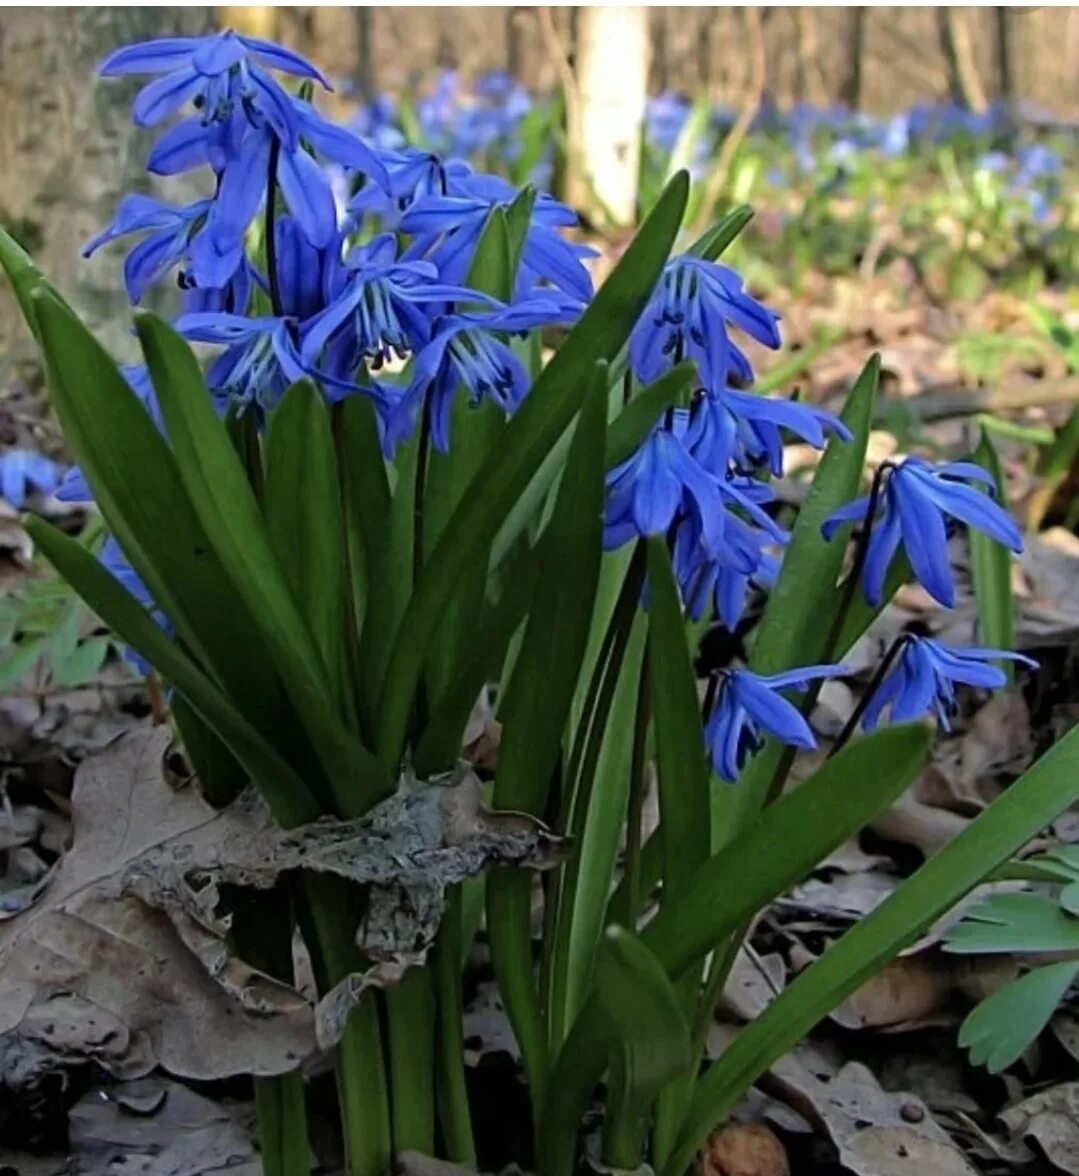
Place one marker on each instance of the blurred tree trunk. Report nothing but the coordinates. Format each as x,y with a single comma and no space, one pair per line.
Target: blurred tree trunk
812,87
963,81
69,151
851,92
1005,57
612,81
366,82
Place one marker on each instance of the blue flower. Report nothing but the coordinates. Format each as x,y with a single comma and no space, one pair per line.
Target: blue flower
467,349
216,72
744,428
649,491
721,578
453,224
924,680
115,563
383,302
915,502
261,361
169,237
22,472
687,317
747,705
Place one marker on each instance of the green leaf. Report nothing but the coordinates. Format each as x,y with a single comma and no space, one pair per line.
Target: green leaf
1002,1026
536,427
221,494
680,756
712,243
538,701
285,791
1049,788
803,603
19,660
80,664
302,508
1020,922
787,840
598,806
991,570
650,1045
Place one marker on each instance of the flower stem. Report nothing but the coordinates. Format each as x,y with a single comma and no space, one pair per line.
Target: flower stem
454,1113
637,789
851,724
270,234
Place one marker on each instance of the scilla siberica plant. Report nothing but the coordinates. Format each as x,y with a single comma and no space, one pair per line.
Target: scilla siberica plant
379,497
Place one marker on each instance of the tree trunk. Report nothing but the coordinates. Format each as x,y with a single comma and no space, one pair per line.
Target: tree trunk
852,90
1005,57
69,152
963,82
612,81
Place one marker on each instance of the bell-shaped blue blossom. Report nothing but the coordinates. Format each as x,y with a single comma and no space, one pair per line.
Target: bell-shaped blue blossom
169,233
649,491
743,428
22,472
116,564
687,317
383,304
453,224
747,705
260,362
216,72
413,174
721,578
469,349
924,678
914,505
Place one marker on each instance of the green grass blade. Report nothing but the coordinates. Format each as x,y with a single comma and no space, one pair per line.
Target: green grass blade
538,700
302,507
1049,788
221,494
991,571
716,239
285,791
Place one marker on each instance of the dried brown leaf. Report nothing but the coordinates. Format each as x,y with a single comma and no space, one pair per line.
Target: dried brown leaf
130,934
1051,1119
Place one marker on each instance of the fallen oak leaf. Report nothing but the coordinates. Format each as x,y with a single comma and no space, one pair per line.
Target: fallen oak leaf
130,923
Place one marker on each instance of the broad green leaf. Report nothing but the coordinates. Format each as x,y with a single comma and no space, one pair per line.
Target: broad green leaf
80,664
285,791
649,1039
475,432
19,660
598,816
536,427
222,497
785,842
220,774
1001,1027
1020,922
802,605
1050,787
680,756
788,839
991,571
136,484
538,700
25,279
713,242
302,508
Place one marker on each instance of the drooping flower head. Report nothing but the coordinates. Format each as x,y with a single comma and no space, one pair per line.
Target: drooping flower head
923,680
470,349
687,317
23,472
915,502
749,704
